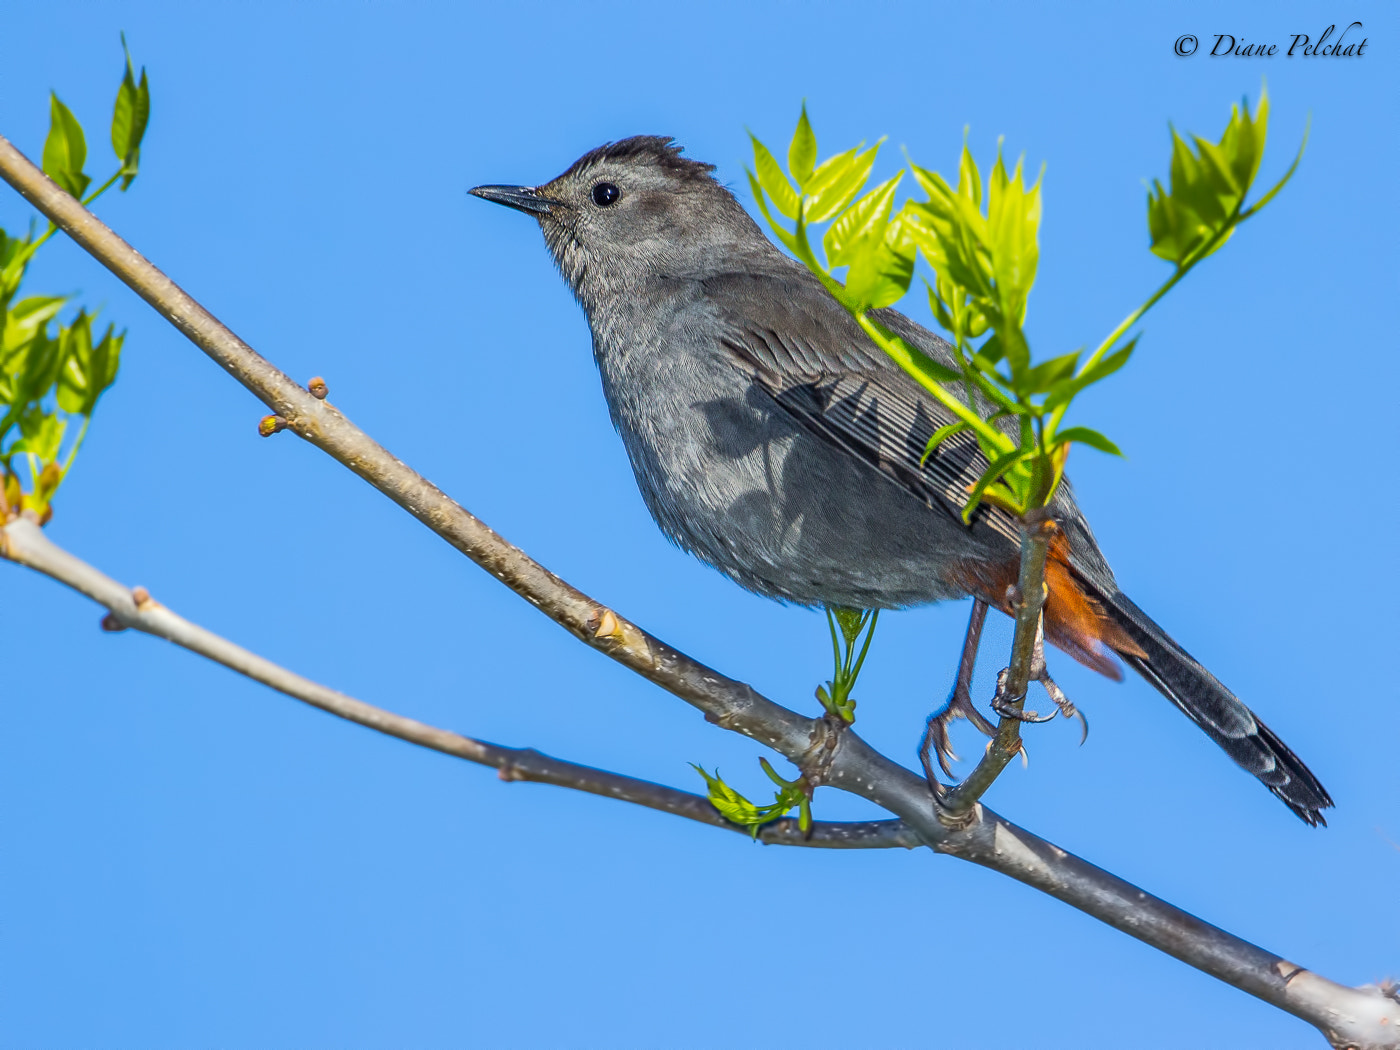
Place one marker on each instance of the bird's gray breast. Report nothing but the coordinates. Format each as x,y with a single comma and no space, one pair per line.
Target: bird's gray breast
730,476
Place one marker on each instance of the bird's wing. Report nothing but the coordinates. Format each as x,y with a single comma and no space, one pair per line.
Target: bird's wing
811,357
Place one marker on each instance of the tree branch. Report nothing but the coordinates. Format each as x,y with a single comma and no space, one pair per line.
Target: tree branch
23,542
1359,1018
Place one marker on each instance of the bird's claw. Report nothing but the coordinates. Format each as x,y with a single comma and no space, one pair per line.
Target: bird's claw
1006,707
1065,704
936,740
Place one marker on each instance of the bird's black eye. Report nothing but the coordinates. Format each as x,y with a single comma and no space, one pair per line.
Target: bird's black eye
605,193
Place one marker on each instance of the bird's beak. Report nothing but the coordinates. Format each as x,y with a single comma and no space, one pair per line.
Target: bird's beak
522,198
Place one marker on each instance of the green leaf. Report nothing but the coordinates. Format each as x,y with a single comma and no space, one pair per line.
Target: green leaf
129,117
88,370
851,622
1243,142
1208,187
999,466
879,274
735,808
989,354
30,373
941,435
944,302
1045,375
1064,391
26,317
786,236
1297,159
953,236
731,805
864,219
772,179
877,250
65,149
1085,436
74,379
802,152
969,178
1013,225
836,182
35,370
42,435
106,359
1110,364
15,253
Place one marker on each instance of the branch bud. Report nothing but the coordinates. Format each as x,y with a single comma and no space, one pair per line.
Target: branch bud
318,388
269,425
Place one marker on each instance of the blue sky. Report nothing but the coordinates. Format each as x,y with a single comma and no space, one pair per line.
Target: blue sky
192,860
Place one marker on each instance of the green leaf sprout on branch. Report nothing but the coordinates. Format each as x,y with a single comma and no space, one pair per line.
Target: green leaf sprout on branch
736,809
846,628
981,242
52,373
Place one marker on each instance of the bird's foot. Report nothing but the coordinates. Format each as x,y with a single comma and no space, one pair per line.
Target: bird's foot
1063,703
1012,707
1006,707
936,741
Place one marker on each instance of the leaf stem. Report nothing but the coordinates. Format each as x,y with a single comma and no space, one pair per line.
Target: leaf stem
101,189
77,444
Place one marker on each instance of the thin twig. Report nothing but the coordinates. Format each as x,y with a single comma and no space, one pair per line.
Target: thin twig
24,542
1354,1017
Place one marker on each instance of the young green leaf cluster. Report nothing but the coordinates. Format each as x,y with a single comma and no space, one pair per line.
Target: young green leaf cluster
1208,188
846,626
736,809
51,378
981,241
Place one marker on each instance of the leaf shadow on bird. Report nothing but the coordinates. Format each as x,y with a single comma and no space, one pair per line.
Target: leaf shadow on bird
774,441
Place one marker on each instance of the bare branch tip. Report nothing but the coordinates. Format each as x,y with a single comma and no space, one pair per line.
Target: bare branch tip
317,388
269,425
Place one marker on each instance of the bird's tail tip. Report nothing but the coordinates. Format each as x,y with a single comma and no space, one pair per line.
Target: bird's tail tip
1221,714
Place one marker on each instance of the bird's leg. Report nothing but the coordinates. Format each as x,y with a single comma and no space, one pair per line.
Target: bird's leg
935,740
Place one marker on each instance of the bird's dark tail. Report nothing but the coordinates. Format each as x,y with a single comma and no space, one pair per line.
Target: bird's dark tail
1218,711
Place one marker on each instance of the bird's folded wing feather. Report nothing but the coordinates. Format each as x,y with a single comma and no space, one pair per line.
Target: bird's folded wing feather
810,356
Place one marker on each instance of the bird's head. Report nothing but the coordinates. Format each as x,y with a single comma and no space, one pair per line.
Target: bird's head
630,210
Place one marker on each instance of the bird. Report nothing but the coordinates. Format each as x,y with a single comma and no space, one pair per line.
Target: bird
773,440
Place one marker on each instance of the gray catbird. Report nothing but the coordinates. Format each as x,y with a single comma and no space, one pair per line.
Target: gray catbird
774,441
